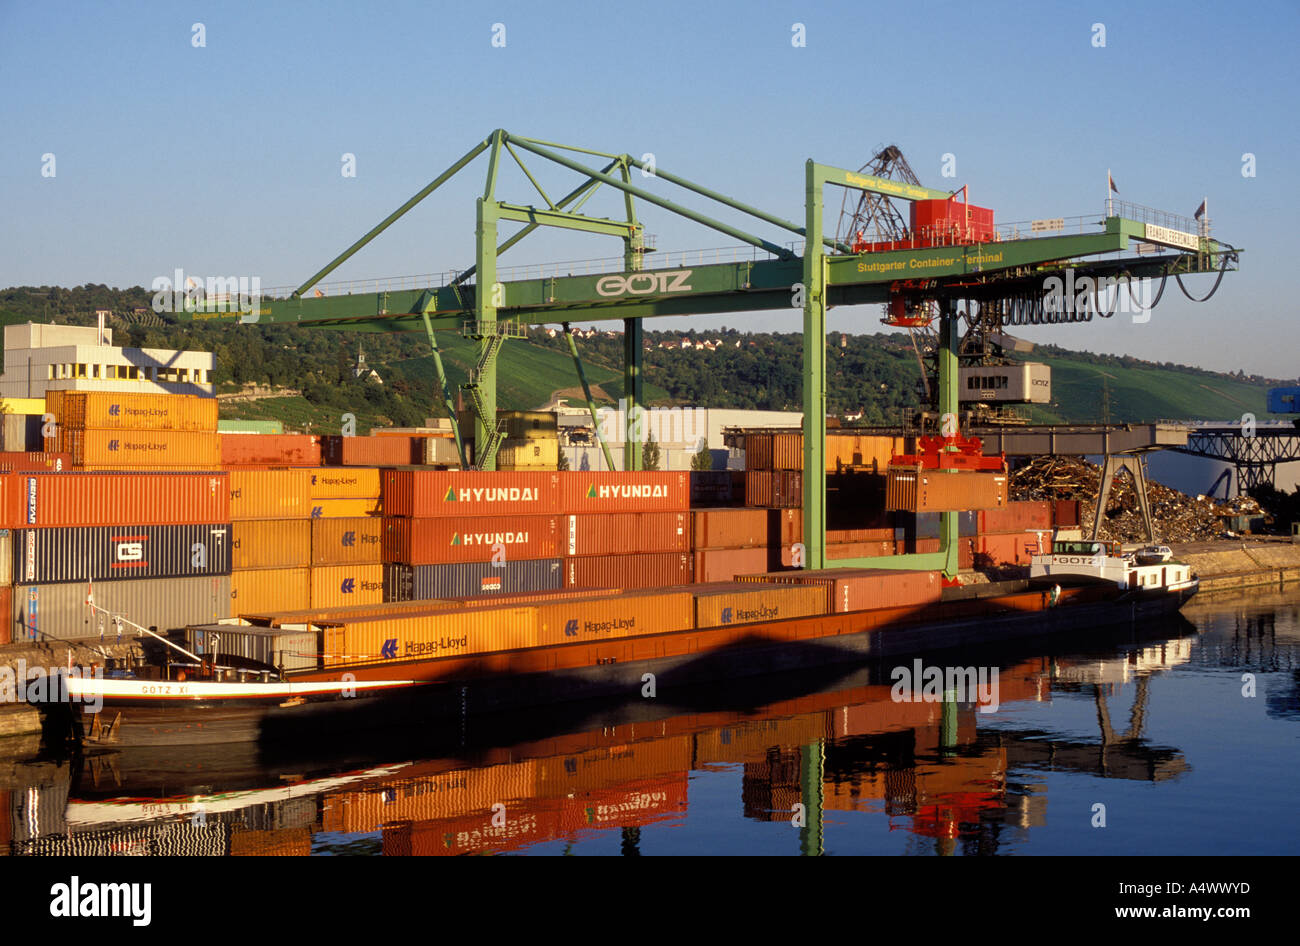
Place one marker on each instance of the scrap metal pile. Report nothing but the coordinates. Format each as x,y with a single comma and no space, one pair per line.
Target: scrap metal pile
1176,516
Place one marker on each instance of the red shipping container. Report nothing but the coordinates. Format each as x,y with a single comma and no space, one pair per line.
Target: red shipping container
729,528
1016,517
106,499
774,489
785,526
270,450
726,564
430,493
445,541
659,570
35,461
7,609
583,492
370,451
624,533
864,589
1009,549
1065,513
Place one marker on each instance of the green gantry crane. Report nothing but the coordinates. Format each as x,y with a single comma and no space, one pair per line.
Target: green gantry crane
1009,272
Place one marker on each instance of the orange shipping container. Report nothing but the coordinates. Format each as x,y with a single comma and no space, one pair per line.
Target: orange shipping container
355,540
442,795
615,533
339,585
269,589
746,604
143,448
730,528
659,570
863,589
270,543
1016,517
726,564
469,539
758,451
351,483
912,489
583,492
597,619
128,411
106,499
440,493
269,494
270,450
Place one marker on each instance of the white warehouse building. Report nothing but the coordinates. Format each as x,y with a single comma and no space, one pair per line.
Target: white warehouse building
40,358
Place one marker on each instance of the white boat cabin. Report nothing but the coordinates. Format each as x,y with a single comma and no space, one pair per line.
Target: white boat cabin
1105,560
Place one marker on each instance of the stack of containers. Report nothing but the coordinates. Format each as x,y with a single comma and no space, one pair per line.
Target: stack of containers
305,539
625,530
111,430
451,534
152,547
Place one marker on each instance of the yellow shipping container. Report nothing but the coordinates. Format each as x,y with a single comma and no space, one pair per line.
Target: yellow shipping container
596,619
354,540
340,616
127,411
746,605
145,449
610,766
335,586
445,634
270,494
270,543
345,483
345,508
22,405
529,455
257,590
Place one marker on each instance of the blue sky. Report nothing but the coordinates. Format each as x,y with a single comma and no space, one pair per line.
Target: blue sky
226,159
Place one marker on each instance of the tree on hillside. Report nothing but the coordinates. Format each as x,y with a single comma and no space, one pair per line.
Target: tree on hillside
650,457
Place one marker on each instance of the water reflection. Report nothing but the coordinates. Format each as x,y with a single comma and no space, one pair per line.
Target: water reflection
811,756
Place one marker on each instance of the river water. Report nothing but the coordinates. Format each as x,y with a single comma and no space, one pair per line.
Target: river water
1175,738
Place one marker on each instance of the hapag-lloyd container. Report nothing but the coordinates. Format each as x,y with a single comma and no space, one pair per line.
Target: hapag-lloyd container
441,634
341,585
107,553
470,539
620,533
128,411
344,484
269,589
270,543
596,619
130,447
657,570
104,499
746,603
270,450
854,589
587,492
356,540
441,493
163,604
269,494
725,564
729,528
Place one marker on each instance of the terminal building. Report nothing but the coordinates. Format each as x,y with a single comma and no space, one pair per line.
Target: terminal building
40,358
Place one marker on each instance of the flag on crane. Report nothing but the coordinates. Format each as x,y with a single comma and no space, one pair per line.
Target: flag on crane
1200,211
1111,181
